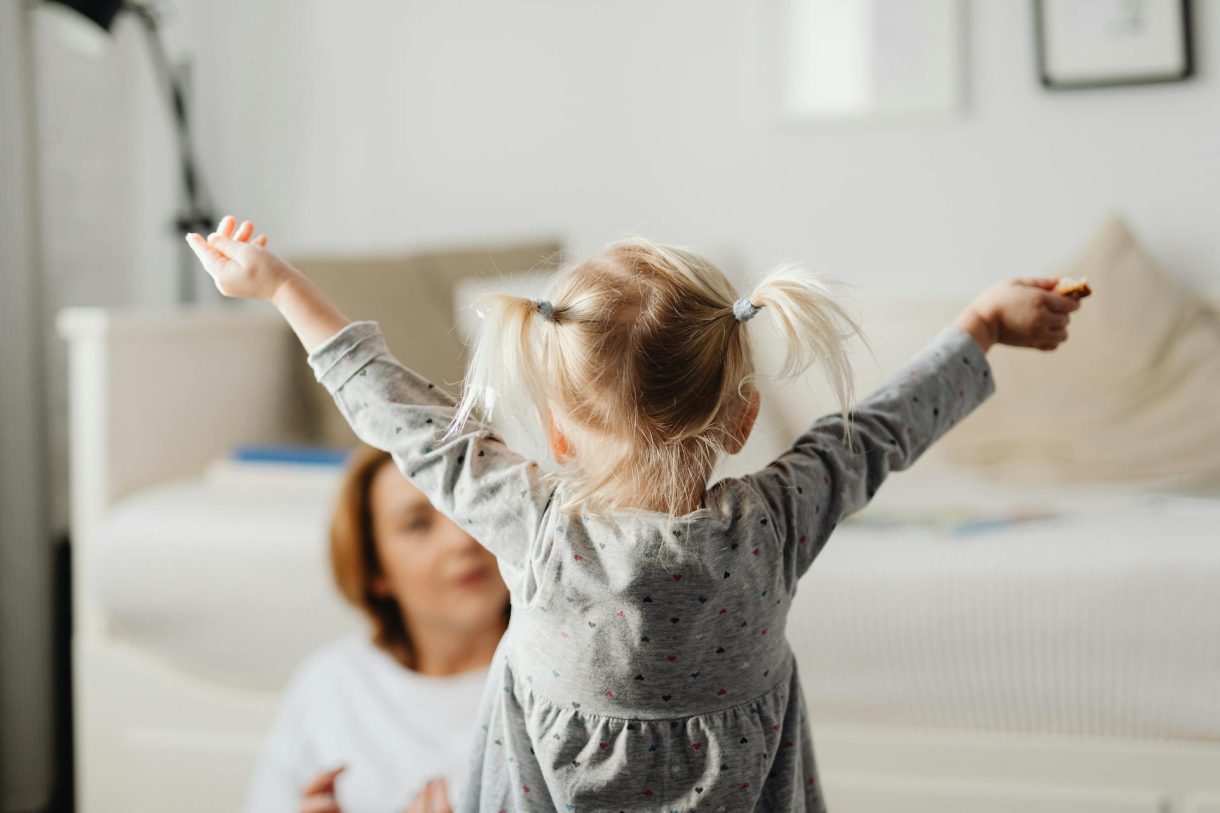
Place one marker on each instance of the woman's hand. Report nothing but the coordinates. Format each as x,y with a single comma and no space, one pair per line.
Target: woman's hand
434,798
1021,312
319,795
239,266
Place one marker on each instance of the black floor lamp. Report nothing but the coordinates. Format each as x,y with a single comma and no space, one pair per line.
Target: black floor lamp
89,23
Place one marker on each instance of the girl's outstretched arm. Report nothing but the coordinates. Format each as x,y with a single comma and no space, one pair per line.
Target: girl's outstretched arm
312,316
823,478
498,496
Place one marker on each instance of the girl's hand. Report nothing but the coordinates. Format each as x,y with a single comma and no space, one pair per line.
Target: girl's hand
239,266
1020,312
319,795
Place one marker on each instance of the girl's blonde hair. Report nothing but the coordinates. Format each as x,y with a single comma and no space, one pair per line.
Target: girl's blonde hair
641,359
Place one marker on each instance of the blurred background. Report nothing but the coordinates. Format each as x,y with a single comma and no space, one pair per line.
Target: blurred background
412,153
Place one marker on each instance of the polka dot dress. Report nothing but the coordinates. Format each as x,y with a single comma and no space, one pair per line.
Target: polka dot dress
646,666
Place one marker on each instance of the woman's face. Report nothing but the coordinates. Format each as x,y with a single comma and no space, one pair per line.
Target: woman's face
439,575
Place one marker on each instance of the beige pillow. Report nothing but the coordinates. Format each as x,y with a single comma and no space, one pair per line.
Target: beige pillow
1134,393
412,298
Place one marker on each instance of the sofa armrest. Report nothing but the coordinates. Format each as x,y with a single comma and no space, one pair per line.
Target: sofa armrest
157,394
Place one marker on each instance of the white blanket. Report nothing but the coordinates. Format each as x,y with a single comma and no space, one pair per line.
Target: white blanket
1104,620
1101,620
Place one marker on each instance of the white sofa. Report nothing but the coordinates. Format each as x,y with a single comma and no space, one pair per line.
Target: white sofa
1002,670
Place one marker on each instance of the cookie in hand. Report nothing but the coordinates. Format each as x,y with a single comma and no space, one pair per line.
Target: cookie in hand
1073,288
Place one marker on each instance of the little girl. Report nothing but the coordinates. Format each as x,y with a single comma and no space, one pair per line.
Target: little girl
645,666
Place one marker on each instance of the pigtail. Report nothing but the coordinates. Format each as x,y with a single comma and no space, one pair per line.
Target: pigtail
504,370
808,312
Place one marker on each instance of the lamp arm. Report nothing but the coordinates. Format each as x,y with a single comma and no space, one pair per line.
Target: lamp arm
199,214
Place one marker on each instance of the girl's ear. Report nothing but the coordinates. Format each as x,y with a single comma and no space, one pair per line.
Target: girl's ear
560,447
739,433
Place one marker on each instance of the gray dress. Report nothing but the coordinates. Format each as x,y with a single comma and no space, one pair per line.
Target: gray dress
646,667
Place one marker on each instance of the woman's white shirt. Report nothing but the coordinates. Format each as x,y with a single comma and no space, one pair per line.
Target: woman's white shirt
352,704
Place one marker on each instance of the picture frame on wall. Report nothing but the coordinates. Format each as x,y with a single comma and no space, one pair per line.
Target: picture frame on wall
1108,43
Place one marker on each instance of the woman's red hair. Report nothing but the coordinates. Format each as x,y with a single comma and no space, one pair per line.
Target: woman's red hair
353,555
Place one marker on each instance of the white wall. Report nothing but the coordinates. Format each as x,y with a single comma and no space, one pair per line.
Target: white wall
376,124
373,124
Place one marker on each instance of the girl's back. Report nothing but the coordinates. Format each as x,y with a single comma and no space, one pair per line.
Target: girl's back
650,670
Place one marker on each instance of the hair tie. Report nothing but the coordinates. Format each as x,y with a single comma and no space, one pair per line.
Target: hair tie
544,307
744,310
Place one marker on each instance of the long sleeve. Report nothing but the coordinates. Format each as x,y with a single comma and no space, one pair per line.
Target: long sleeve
813,486
496,495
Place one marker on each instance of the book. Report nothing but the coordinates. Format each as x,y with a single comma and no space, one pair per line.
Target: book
290,455
279,466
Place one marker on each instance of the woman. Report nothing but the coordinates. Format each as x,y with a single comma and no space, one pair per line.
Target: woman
368,722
